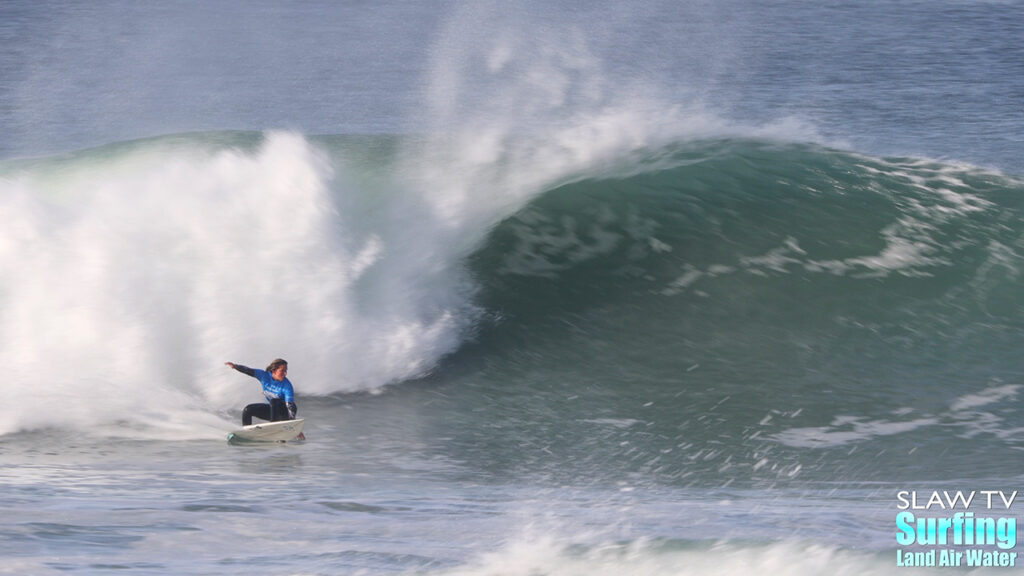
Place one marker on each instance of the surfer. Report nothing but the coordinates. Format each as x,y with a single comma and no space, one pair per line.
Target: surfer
276,387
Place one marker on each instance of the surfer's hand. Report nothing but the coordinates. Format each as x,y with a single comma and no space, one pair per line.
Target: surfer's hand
232,364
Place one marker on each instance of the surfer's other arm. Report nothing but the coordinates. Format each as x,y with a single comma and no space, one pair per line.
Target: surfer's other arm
243,369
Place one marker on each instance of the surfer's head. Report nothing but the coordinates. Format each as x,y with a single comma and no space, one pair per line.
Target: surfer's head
277,365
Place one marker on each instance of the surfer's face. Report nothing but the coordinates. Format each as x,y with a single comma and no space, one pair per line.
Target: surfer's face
280,373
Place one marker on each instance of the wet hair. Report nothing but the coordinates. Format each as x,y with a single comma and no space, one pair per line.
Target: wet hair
277,363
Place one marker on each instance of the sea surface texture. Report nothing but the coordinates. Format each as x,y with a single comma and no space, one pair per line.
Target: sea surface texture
599,288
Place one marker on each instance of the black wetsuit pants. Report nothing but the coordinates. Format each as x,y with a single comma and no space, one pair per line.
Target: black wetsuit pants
276,410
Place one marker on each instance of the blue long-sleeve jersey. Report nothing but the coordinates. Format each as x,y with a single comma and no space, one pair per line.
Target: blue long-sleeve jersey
272,389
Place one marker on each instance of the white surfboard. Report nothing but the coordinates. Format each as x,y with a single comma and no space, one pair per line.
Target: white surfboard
281,431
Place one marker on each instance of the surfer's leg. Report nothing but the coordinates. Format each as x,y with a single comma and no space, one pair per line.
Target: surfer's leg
278,410
261,411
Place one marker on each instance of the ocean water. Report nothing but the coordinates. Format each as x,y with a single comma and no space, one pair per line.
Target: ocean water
565,288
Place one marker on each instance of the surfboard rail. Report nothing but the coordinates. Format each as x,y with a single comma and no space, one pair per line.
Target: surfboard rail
280,431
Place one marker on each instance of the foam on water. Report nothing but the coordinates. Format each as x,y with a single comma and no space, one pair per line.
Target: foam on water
553,557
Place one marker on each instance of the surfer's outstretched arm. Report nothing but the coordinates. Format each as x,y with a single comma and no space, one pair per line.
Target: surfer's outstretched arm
243,369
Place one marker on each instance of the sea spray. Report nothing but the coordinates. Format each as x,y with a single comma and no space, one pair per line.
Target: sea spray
132,274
